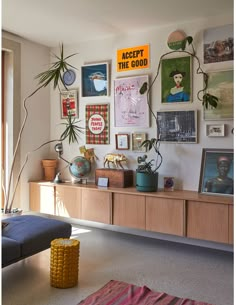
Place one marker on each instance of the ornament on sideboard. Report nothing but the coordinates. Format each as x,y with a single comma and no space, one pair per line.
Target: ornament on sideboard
89,153
115,159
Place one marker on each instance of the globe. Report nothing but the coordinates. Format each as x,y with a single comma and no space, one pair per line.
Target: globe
79,167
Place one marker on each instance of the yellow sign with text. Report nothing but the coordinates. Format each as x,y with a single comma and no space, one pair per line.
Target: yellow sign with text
133,58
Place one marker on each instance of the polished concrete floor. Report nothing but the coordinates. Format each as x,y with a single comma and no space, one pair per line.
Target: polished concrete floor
180,270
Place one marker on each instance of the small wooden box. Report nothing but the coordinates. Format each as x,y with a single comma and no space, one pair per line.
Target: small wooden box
116,177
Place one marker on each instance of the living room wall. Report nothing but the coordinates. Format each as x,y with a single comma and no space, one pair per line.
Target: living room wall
182,161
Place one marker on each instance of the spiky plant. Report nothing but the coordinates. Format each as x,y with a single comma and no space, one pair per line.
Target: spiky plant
54,75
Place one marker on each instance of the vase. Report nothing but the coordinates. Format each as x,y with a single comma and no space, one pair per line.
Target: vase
49,167
146,182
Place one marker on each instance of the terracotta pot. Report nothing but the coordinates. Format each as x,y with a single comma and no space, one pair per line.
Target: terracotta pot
49,166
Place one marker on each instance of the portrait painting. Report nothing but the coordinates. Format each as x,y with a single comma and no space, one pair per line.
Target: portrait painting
217,172
176,80
219,44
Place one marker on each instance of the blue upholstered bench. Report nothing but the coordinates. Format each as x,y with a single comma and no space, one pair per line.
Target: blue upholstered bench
26,235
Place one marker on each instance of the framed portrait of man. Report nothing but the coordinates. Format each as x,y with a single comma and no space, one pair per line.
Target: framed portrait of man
217,172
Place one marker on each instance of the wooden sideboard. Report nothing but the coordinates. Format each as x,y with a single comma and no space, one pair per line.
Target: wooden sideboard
181,213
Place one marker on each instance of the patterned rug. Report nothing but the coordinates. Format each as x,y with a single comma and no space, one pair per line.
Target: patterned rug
121,293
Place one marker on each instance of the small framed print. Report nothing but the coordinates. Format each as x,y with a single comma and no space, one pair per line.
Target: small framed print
69,103
169,183
215,130
137,140
122,141
95,80
102,181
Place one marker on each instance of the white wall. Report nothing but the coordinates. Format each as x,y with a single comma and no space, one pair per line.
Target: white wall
34,59
182,161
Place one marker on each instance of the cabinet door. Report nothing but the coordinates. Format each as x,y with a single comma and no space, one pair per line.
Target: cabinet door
165,215
68,201
96,205
129,210
231,224
42,198
207,221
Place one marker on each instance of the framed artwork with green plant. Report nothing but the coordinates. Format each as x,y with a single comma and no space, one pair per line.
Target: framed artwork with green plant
176,80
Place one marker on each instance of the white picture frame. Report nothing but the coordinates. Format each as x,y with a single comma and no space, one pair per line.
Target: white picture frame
215,130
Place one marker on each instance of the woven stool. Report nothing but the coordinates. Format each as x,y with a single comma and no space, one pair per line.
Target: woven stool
64,263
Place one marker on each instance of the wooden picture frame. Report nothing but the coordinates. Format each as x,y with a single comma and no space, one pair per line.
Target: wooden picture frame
95,80
131,107
137,139
176,80
215,130
177,126
122,141
69,103
217,172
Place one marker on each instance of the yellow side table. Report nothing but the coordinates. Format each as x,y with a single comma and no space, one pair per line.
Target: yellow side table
64,263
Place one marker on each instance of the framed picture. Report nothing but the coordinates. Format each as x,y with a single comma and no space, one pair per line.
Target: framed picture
122,141
221,84
217,172
131,107
69,103
218,44
215,130
95,80
177,126
97,124
137,139
176,80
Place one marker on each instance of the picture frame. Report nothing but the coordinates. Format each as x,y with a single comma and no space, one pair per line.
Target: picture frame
137,140
221,85
177,126
130,106
95,80
176,80
69,103
122,141
218,44
215,130
97,117
217,172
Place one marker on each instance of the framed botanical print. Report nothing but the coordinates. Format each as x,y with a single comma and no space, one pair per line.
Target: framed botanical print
137,139
95,80
217,172
122,141
69,103
176,80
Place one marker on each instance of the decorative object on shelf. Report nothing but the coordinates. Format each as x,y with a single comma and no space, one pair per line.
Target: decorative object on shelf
115,159
131,108
79,167
221,84
137,139
218,44
122,141
175,40
95,80
69,104
116,177
53,75
49,167
215,130
97,124
176,80
217,172
169,183
69,77
177,126
88,153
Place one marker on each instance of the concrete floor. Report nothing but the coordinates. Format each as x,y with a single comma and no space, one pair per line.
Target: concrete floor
181,270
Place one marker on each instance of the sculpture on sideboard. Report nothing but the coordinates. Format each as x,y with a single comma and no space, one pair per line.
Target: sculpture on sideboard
116,159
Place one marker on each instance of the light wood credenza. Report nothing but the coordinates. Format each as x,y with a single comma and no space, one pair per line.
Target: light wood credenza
181,213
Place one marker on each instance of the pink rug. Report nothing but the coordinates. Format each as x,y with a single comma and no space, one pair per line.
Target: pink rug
120,293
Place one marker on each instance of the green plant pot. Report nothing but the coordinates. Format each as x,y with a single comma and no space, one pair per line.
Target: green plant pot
146,182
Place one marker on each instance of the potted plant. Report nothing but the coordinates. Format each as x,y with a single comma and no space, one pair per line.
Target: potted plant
146,173
54,75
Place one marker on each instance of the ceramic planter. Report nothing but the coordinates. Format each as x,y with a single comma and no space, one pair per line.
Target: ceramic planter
146,182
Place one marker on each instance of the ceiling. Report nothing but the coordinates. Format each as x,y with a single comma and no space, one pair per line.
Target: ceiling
50,22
